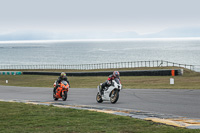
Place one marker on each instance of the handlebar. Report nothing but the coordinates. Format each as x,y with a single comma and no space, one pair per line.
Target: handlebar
58,85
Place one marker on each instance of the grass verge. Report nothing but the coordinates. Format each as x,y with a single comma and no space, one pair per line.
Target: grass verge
20,117
189,80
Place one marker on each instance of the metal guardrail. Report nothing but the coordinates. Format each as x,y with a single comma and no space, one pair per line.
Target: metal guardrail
133,64
197,68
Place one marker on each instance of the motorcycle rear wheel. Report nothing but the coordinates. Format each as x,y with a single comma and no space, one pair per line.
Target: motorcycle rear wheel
64,97
114,96
99,98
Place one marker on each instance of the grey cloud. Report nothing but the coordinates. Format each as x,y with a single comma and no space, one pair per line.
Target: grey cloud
97,15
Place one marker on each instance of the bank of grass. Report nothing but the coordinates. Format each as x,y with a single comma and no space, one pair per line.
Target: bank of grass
20,117
189,80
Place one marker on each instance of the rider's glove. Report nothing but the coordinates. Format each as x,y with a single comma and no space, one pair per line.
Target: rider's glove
56,84
108,82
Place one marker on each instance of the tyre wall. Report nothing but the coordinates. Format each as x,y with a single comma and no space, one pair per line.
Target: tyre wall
166,72
10,73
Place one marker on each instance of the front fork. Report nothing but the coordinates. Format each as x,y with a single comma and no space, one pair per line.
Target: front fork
113,93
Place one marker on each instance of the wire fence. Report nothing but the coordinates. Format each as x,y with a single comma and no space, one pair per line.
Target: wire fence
133,64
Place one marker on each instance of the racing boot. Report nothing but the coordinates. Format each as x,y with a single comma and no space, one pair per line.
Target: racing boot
101,90
103,87
54,90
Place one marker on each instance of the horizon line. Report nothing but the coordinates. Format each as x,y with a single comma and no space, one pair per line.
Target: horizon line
114,39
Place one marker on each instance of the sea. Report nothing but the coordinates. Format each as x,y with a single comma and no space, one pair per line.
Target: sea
72,52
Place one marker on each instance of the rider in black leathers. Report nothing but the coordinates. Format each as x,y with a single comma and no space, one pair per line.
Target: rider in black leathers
60,78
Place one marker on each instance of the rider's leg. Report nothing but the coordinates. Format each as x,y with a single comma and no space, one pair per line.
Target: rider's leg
103,87
54,89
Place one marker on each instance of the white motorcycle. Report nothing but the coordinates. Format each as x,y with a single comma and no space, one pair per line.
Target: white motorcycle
110,93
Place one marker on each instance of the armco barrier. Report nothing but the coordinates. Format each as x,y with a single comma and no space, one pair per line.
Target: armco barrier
166,72
10,73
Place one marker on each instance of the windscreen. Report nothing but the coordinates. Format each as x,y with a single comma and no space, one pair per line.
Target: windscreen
117,81
64,82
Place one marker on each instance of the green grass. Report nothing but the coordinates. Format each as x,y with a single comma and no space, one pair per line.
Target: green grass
189,80
20,118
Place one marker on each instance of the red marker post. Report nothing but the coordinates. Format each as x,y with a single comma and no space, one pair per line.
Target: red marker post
172,79
173,72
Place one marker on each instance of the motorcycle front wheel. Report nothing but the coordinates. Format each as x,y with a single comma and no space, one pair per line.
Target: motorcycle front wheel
99,98
64,97
114,96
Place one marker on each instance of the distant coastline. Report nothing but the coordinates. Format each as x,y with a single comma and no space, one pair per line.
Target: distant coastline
91,40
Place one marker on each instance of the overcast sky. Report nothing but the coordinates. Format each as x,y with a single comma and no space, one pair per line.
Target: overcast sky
79,16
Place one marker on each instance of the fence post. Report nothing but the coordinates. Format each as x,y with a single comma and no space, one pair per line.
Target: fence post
100,65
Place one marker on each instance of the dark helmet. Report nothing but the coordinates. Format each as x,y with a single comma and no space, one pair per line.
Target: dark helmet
63,75
116,74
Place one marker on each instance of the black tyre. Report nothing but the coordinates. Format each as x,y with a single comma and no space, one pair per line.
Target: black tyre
54,97
64,97
99,98
114,96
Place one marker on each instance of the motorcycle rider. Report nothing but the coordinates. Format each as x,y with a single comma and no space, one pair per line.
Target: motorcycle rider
60,78
109,81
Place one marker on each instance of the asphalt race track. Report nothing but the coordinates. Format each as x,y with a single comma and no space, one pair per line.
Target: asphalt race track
185,103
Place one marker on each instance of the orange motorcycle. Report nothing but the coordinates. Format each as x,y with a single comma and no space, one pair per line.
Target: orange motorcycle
61,91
